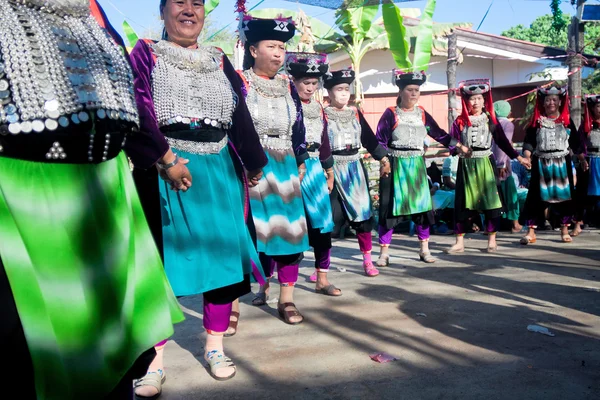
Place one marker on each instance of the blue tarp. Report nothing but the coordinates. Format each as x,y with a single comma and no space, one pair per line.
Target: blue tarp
335,4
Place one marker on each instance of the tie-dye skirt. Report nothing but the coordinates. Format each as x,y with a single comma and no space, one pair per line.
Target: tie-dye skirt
316,196
411,194
353,187
277,207
594,180
554,180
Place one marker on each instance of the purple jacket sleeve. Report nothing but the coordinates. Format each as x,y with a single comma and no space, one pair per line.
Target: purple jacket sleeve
437,133
298,130
146,147
455,137
369,140
243,134
385,128
325,154
503,142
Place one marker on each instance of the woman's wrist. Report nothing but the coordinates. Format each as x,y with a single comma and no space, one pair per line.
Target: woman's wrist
165,166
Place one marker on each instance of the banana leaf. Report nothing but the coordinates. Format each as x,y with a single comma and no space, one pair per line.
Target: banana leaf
424,38
130,34
356,22
210,5
396,32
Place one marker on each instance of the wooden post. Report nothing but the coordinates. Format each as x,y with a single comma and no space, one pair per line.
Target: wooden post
451,75
576,43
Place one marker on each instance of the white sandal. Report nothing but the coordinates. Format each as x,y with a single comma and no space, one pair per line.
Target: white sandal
155,379
216,360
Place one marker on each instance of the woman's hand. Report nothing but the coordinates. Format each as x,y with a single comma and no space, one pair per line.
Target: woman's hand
503,173
584,164
172,169
330,179
301,171
254,177
385,168
467,152
524,162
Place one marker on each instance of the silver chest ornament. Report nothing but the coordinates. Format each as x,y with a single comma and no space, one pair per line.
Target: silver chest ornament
411,132
343,128
551,138
313,122
189,86
272,109
478,135
57,65
593,143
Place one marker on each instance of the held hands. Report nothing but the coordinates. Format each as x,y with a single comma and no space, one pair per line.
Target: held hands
526,162
584,164
172,169
254,177
503,173
464,150
385,169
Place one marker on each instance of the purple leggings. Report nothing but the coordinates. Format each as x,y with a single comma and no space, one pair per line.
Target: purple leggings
216,316
564,220
287,274
385,235
322,259
491,226
365,241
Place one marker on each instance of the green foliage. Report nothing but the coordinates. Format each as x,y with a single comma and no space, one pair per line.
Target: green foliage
558,22
396,32
542,31
424,38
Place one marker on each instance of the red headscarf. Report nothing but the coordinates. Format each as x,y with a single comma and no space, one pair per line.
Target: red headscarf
470,88
540,111
588,113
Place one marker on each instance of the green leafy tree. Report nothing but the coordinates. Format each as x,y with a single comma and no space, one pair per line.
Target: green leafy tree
542,31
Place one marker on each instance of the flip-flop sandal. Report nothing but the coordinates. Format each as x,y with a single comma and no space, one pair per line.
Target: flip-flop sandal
286,315
313,277
383,261
426,258
575,233
216,360
155,379
525,240
329,290
453,250
492,249
260,299
233,325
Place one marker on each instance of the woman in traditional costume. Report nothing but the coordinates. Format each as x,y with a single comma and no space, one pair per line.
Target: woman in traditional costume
477,189
77,260
548,142
404,188
307,70
191,103
276,202
587,191
348,130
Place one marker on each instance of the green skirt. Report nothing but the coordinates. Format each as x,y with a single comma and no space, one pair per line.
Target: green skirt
479,184
85,274
411,192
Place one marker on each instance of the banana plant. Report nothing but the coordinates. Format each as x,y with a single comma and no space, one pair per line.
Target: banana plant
399,41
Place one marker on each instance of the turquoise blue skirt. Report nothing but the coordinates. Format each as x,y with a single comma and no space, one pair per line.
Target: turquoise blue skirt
555,186
277,207
316,196
207,244
353,187
594,183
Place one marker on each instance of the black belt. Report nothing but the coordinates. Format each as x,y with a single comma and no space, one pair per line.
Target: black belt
63,148
196,135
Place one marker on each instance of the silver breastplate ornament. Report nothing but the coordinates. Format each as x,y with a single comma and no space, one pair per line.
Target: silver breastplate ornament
272,109
189,86
552,139
478,135
410,133
313,122
593,143
58,68
343,128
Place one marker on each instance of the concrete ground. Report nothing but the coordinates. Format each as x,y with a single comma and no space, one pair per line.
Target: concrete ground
473,342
